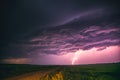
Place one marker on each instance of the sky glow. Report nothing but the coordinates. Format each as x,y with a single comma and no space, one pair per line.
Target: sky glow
107,55
60,32
92,56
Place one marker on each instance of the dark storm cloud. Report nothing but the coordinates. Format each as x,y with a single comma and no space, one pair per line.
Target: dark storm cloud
68,40
87,24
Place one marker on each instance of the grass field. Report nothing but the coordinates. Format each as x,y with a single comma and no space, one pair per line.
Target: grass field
59,72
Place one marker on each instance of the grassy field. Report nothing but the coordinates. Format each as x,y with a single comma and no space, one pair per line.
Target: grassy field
57,72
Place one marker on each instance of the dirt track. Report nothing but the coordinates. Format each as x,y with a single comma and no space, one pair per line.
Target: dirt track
32,76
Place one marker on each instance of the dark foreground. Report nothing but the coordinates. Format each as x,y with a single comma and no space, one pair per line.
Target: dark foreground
55,72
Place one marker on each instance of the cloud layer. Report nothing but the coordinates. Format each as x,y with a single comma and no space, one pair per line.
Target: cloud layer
95,30
68,40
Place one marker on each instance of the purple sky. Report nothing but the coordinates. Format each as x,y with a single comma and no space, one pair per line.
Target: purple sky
90,45
63,33
93,56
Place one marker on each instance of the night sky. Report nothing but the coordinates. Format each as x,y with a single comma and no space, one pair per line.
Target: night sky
60,32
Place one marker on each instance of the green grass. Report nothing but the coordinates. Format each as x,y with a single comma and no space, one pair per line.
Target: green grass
11,70
76,72
93,72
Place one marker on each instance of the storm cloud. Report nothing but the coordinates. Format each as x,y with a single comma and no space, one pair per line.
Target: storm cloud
64,39
70,40
32,29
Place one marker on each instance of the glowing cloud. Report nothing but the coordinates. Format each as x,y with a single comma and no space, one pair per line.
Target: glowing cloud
82,37
17,60
106,55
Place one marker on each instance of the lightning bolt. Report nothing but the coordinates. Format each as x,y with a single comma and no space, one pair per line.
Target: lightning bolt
75,57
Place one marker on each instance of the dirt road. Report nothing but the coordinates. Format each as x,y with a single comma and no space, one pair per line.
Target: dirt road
32,76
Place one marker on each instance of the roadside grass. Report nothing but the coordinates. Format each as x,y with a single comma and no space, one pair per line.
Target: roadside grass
65,72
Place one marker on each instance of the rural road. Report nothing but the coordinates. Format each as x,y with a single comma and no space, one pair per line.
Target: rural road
32,76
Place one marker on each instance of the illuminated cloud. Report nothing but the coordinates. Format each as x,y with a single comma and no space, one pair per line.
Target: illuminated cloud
60,41
58,30
16,60
78,34
108,55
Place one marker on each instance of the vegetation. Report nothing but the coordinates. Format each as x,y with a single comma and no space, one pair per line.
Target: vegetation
77,72
11,70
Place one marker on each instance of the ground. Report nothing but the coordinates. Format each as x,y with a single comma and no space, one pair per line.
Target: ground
60,72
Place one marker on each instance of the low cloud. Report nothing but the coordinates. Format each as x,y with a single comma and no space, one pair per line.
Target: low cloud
68,39
16,60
